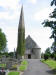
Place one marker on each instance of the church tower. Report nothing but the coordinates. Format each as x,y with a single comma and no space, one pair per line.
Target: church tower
21,36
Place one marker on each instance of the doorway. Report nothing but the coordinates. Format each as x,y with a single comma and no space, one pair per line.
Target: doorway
29,56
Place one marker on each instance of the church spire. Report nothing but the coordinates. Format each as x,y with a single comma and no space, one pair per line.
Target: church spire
21,21
21,36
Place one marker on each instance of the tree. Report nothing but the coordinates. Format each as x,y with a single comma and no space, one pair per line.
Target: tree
48,51
52,24
3,41
46,56
53,2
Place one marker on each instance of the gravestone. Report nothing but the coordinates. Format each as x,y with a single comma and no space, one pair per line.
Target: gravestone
8,64
3,59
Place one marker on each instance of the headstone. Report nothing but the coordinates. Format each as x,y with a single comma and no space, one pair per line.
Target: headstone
14,53
3,59
8,64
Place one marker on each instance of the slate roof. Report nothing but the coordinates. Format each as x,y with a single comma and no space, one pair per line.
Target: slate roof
30,43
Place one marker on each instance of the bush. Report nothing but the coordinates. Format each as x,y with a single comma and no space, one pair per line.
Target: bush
14,73
24,62
46,56
14,67
55,56
52,55
3,65
22,67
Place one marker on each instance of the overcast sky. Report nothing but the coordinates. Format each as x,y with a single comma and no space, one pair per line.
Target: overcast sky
35,12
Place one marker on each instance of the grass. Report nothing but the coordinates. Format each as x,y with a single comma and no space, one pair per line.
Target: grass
23,65
13,73
24,62
50,63
2,65
14,66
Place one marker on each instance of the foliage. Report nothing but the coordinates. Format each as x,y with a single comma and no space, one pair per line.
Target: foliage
5,53
2,65
24,62
11,54
50,63
14,66
55,56
46,56
52,55
13,73
52,24
22,67
3,41
53,2
48,51
21,43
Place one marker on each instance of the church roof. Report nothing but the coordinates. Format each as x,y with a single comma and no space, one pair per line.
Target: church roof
28,51
30,43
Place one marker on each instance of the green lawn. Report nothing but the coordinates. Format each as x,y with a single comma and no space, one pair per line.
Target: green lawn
23,65
50,63
2,65
24,62
13,73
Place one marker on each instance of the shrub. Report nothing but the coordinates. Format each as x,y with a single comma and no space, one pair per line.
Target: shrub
3,65
46,56
55,56
22,67
14,73
52,55
24,62
14,67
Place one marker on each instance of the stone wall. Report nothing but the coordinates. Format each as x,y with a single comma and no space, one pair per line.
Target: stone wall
37,53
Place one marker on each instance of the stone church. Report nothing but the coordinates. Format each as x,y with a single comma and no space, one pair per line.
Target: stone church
33,51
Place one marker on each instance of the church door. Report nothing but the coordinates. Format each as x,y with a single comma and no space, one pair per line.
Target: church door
29,56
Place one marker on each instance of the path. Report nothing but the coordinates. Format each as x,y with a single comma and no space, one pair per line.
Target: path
36,67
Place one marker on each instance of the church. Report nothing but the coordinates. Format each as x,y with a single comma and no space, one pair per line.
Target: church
32,50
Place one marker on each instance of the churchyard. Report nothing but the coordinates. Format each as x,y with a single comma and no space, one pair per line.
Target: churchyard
12,66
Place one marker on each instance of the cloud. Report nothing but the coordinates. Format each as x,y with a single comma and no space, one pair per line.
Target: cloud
11,9
7,16
10,4
33,1
41,36
43,14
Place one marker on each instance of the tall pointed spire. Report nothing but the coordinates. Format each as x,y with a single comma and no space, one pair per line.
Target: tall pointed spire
21,36
21,21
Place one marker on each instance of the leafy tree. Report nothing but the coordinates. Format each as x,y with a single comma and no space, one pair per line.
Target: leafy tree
48,51
3,41
11,54
46,56
53,2
52,24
